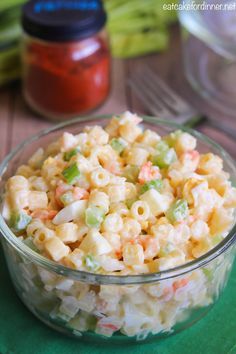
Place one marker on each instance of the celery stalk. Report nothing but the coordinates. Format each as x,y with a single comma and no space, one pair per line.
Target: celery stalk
90,263
6,4
71,173
154,184
19,221
94,216
177,211
68,154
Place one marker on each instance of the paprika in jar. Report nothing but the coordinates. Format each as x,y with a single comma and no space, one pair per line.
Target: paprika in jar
65,56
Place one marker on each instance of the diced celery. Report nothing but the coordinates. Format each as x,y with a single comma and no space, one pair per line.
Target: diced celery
19,221
154,184
71,173
165,158
208,273
172,137
94,216
217,239
177,211
67,198
118,144
68,154
162,146
131,173
90,263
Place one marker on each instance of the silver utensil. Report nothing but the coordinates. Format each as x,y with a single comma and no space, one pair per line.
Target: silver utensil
162,101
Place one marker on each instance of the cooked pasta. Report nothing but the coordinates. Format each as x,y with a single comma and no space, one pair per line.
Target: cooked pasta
121,199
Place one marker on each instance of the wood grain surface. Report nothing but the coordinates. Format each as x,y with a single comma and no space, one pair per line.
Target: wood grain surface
17,121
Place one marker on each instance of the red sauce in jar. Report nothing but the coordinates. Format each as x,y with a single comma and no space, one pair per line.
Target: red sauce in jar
66,78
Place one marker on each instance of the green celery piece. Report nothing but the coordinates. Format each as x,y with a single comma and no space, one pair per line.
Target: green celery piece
94,216
172,137
10,28
118,145
131,173
208,273
71,173
68,154
132,25
165,158
7,4
154,184
177,211
10,68
130,45
19,221
9,57
90,263
217,239
67,198
128,7
162,146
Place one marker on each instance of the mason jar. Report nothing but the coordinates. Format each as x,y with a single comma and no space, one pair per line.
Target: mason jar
65,56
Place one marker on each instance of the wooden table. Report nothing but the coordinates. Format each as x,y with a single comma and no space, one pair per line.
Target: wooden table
17,122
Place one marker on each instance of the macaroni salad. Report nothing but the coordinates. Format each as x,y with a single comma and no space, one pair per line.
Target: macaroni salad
122,200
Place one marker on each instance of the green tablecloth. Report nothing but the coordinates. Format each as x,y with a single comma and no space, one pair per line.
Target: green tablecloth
22,333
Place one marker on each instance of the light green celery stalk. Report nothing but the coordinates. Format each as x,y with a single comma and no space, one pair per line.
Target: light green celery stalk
131,6
10,32
138,27
10,28
138,43
134,24
9,64
7,4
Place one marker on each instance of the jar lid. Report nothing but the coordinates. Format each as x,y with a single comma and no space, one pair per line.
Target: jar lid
63,20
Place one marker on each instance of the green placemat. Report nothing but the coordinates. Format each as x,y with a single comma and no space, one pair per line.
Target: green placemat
22,333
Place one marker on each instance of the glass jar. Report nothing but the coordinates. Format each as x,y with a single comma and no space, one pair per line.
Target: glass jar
65,56
209,50
115,308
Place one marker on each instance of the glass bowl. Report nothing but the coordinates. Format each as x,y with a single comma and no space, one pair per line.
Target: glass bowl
140,307
209,51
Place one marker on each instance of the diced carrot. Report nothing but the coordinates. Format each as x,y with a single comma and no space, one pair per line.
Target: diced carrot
44,214
179,283
132,241
148,172
112,166
167,294
80,193
108,325
60,190
191,155
194,154
118,254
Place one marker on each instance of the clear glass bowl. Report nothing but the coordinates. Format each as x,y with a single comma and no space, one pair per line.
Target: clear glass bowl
142,307
209,51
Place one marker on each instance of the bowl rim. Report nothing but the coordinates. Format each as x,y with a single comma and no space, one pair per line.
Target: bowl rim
94,278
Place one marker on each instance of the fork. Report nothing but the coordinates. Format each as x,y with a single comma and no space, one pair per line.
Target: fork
162,101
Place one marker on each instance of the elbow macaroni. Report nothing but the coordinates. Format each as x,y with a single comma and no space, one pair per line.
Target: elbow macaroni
125,202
